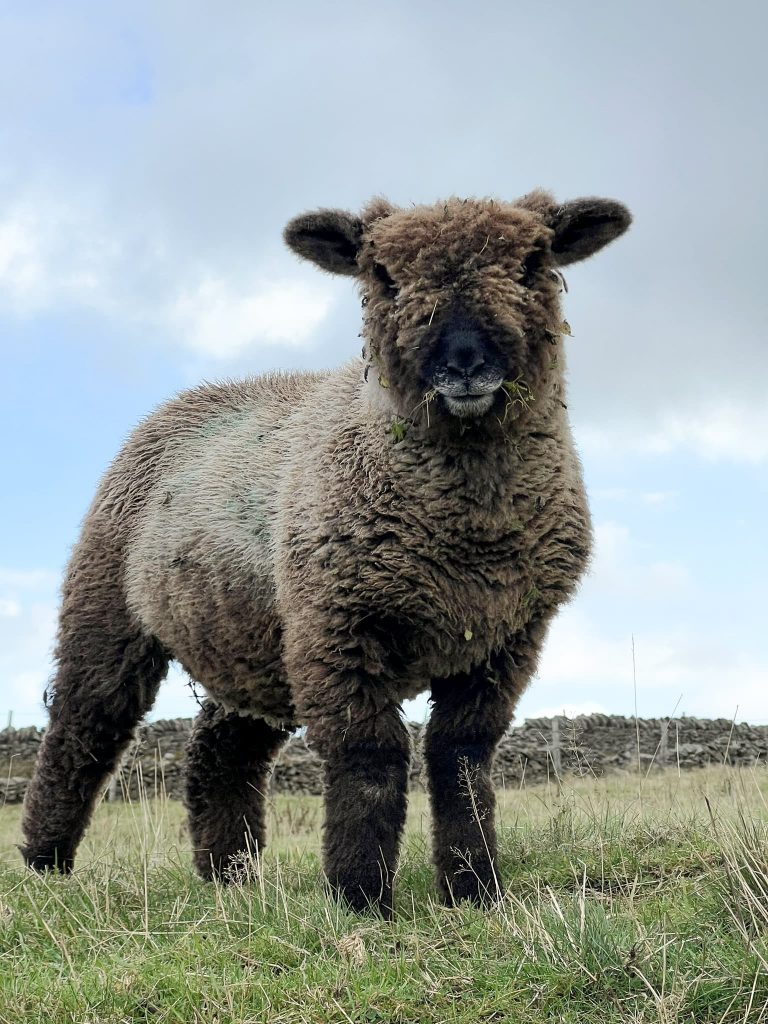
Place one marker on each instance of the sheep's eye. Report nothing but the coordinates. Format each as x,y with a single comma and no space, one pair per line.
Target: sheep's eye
531,267
382,274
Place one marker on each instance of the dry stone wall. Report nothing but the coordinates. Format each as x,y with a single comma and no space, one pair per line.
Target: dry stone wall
537,750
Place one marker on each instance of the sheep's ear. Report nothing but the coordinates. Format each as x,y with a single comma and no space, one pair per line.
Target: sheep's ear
583,226
329,238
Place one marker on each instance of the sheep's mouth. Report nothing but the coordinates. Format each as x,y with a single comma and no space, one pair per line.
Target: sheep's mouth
471,398
469,405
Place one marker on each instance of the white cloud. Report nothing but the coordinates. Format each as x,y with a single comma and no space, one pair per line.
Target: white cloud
678,668
53,255
26,642
20,262
216,319
590,661
28,610
28,579
576,652
723,431
624,494
618,565
611,494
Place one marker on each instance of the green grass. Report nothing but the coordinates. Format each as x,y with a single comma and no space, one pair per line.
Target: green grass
626,900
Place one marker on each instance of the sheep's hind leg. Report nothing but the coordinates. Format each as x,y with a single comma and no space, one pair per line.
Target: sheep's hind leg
229,759
108,674
469,717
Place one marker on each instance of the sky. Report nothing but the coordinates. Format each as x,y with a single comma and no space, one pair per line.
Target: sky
150,154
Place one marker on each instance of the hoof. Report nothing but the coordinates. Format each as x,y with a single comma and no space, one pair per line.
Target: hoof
227,869
354,895
467,887
47,860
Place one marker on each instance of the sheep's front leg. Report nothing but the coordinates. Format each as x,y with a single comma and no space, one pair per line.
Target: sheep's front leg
345,691
365,806
469,717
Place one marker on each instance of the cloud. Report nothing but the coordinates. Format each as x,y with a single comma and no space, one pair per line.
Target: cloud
625,494
53,257
727,431
619,566
20,263
577,652
682,666
216,320
28,611
675,669
27,632
724,431
53,253
28,579
26,642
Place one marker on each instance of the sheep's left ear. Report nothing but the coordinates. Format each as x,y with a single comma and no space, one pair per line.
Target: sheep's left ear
328,238
584,226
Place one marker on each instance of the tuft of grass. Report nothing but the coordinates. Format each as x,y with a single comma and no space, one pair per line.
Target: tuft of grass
398,429
429,397
518,394
622,900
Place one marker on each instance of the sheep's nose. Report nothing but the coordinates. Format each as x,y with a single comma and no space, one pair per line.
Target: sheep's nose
467,366
463,348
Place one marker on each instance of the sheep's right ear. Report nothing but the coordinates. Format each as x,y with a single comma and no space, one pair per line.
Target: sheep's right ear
329,238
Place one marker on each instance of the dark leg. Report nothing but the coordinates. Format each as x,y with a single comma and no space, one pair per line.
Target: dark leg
345,681
365,807
469,717
229,760
108,674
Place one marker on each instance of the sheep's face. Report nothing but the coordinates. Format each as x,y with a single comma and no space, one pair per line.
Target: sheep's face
462,307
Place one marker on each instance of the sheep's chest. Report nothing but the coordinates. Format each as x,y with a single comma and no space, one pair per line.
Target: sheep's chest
435,564
451,597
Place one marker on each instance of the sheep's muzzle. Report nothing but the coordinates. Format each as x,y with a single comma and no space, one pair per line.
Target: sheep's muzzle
465,368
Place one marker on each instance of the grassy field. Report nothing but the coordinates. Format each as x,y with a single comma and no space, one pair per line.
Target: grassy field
626,900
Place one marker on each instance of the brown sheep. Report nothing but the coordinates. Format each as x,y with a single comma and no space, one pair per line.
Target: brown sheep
315,548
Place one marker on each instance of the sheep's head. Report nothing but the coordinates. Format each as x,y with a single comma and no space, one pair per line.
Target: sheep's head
462,299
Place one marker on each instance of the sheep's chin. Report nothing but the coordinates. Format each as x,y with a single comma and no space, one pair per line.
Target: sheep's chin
469,405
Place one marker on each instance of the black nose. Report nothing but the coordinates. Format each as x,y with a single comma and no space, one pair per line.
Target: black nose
465,362
462,348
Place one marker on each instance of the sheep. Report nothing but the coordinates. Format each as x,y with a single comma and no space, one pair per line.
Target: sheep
314,548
